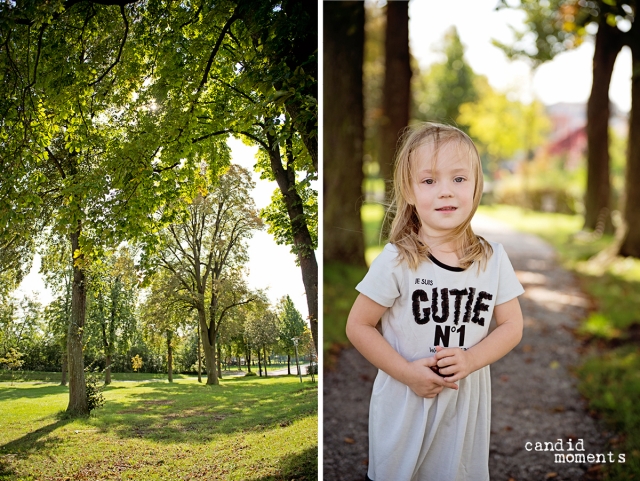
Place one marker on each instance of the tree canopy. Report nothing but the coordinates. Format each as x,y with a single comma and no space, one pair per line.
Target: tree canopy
108,110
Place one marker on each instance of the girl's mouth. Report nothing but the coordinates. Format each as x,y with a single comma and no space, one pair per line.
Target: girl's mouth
447,209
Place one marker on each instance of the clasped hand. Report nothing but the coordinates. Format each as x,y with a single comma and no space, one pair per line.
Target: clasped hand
453,363
423,380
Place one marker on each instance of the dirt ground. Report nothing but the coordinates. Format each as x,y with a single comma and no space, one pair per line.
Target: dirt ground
534,394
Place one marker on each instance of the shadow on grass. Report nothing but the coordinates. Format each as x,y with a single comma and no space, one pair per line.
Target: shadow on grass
301,466
193,413
30,392
33,441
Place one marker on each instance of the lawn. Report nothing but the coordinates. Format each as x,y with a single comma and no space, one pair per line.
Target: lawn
245,429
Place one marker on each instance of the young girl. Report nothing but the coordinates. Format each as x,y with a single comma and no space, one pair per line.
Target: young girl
435,286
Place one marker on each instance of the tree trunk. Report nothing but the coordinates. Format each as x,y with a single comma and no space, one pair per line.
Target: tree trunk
208,347
77,384
199,356
259,364
169,355
289,364
343,132
63,381
107,351
107,371
218,357
264,351
397,88
597,199
631,242
286,179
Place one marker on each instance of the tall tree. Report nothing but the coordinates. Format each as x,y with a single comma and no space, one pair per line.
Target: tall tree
58,277
343,131
630,245
446,85
164,312
397,87
558,26
75,151
290,326
500,126
112,297
206,250
262,332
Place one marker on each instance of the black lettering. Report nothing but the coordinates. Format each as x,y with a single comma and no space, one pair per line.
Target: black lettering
480,306
444,304
461,330
457,293
444,336
469,305
420,296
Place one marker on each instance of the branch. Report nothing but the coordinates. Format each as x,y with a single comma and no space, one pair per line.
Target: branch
256,139
195,15
58,165
35,67
124,39
216,47
212,134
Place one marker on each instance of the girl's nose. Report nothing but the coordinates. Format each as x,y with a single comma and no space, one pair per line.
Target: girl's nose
445,191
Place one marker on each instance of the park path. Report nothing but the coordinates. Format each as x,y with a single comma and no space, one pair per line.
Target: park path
534,394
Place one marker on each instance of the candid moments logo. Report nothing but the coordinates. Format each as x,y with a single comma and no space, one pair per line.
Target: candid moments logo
567,452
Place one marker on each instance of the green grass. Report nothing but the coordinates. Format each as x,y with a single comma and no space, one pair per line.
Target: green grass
245,429
610,377
340,281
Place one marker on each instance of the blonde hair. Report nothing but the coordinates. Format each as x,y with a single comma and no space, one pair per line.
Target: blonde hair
406,224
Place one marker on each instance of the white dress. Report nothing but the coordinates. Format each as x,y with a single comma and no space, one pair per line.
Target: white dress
445,438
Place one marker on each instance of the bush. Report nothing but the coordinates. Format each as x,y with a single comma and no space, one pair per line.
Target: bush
250,374
312,369
95,398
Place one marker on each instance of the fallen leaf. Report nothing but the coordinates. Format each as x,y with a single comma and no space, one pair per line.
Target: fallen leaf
551,475
349,440
554,365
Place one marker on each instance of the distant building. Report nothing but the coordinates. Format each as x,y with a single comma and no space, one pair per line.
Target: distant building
568,136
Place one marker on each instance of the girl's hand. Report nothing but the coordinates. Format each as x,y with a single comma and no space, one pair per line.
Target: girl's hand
454,363
423,381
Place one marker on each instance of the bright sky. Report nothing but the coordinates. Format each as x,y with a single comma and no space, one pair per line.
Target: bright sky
566,79
271,267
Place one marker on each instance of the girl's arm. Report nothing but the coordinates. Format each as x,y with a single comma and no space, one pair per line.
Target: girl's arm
458,364
362,332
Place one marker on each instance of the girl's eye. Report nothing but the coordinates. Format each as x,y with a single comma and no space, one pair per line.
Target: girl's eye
459,179
428,181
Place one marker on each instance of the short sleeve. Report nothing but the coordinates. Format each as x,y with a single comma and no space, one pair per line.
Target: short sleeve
382,282
508,285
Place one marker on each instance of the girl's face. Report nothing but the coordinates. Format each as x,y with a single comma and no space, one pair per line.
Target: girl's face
442,188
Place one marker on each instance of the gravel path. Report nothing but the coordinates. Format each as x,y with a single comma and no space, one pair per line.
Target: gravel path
534,395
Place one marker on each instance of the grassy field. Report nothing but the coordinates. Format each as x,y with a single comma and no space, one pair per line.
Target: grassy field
245,429
610,376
